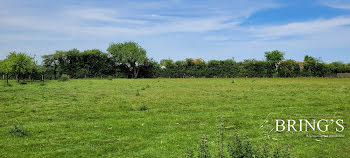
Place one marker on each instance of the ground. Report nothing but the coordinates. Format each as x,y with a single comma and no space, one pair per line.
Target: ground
94,117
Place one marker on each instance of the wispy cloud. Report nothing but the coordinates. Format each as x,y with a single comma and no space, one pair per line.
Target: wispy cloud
340,4
300,28
141,18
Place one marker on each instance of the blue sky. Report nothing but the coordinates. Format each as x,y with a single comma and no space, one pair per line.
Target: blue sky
179,29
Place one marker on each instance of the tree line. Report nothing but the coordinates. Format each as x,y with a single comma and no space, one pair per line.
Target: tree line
129,60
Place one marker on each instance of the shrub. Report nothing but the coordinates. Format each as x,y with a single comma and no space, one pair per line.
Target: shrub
17,131
110,78
63,78
143,108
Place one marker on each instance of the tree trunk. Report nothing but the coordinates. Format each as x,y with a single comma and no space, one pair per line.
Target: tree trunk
54,72
135,74
7,78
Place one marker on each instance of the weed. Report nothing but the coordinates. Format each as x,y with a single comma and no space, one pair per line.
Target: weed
238,148
17,131
63,78
143,108
137,93
110,78
148,86
143,88
190,154
203,148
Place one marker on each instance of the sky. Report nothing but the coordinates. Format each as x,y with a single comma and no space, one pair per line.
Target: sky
179,29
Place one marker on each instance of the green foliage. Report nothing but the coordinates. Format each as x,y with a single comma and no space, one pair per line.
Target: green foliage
63,78
6,68
110,78
129,55
288,68
273,58
315,67
90,63
21,64
129,60
143,88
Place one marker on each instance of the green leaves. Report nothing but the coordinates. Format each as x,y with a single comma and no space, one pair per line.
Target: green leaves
129,54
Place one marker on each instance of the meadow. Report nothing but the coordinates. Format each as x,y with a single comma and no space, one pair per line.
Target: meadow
165,117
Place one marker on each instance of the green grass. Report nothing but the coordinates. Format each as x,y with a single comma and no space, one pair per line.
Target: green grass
92,117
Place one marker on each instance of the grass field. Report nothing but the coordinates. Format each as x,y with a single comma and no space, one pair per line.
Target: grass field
92,117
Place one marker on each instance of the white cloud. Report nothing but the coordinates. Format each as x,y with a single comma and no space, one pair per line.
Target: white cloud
340,4
100,14
300,28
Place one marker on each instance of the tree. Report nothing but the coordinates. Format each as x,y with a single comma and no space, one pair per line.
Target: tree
129,55
51,62
337,67
315,67
288,68
21,63
6,68
273,58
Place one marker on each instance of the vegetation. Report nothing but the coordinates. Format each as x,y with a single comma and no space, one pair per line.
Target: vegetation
129,60
103,118
236,147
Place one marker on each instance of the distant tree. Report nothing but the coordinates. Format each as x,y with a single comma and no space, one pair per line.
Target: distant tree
6,68
149,69
253,68
315,67
95,63
273,58
337,67
288,68
51,63
166,62
129,55
348,67
21,63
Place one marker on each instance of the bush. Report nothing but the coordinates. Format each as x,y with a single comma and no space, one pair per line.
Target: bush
63,78
110,78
